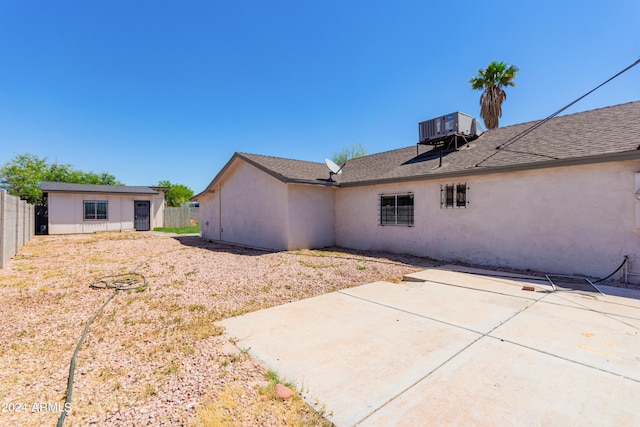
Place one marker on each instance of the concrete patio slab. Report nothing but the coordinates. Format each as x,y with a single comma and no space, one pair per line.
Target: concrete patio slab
502,384
620,292
457,349
472,309
625,309
602,303
598,340
476,280
324,344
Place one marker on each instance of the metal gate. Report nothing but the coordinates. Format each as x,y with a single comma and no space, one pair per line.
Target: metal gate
42,220
142,215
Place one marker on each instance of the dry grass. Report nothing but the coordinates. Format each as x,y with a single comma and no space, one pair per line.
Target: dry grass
155,355
229,407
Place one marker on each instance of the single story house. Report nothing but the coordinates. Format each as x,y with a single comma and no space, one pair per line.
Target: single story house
89,208
561,196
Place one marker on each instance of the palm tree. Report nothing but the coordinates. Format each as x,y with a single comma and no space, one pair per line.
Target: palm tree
492,79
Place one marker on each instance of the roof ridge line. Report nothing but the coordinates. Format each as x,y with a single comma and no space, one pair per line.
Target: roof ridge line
277,157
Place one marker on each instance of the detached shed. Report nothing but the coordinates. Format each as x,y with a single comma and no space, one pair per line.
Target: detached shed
89,208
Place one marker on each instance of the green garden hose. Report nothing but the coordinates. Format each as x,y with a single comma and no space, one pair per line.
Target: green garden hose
117,282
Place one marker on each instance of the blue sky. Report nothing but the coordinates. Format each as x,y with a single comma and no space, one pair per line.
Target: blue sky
154,90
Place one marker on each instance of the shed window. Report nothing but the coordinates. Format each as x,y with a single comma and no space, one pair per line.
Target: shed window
454,196
396,209
95,209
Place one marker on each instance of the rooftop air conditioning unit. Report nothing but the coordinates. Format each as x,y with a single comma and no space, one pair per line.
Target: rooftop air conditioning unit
435,130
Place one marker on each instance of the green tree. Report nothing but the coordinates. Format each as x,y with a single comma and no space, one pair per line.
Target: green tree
348,153
176,194
22,175
492,80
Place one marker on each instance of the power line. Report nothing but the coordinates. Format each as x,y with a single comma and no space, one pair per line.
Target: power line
541,122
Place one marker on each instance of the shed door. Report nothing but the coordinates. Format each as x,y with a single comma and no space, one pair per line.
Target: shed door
142,215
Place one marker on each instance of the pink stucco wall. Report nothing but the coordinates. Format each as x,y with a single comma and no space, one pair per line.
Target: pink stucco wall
247,207
66,212
311,216
571,220
578,219
250,207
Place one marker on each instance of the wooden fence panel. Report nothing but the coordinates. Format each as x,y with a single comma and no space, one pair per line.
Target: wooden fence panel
181,216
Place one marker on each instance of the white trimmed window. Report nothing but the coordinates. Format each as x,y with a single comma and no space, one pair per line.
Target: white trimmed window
95,210
454,195
396,209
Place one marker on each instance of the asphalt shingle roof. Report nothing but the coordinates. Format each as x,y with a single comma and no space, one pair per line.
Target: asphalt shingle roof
288,169
574,137
95,188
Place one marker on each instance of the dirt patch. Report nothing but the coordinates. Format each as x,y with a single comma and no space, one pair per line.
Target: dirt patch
154,355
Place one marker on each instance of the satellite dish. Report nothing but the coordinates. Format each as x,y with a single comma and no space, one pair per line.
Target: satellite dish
334,169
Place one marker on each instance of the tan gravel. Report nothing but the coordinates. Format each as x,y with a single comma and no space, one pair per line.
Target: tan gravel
155,356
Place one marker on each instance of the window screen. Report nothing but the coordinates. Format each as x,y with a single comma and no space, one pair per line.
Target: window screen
396,209
94,209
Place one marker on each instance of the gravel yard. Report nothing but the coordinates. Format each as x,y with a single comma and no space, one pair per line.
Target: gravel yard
154,356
